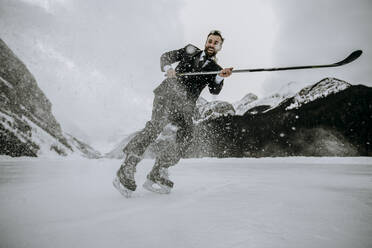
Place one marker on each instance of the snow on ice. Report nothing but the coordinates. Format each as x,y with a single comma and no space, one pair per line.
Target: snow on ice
267,202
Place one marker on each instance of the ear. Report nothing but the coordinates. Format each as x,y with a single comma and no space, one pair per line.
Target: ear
218,47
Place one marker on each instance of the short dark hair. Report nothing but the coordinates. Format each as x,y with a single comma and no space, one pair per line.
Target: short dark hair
216,32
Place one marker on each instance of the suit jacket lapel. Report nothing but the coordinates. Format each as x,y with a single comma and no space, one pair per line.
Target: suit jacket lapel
196,61
211,66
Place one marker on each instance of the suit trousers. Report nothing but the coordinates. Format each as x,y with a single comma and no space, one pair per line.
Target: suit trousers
171,106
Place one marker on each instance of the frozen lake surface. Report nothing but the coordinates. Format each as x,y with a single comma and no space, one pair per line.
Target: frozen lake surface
270,202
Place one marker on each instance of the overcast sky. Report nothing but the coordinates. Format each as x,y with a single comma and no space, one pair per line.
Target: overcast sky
98,62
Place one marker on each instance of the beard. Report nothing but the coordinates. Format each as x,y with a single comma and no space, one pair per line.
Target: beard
209,53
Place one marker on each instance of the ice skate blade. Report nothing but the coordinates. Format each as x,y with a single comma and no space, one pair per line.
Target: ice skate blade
149,185
124,191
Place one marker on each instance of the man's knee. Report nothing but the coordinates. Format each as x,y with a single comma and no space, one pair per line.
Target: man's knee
153,128
138,144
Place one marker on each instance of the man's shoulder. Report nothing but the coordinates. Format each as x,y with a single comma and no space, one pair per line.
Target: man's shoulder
191,50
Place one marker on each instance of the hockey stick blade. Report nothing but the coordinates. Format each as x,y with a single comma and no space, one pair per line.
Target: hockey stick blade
353,56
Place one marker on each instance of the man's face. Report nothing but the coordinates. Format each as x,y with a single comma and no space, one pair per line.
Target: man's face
213,45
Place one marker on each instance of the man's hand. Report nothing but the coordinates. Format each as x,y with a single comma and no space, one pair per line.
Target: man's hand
226,72
171,73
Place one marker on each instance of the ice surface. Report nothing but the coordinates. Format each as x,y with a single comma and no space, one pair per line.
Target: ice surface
268,202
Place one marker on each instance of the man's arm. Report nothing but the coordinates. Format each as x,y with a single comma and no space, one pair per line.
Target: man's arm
215,86
168,58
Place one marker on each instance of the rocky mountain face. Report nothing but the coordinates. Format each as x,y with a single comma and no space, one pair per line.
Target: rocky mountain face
328,118
27,125
212,110
321,89
245,103
253,105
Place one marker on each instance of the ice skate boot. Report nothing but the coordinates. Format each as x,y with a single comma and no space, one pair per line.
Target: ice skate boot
124,180
158,181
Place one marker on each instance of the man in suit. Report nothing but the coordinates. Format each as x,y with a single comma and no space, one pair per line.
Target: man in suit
174,103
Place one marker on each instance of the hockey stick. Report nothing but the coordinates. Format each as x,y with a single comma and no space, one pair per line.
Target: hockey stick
353,56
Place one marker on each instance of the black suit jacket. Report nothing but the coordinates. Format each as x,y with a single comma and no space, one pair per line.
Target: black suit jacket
188,58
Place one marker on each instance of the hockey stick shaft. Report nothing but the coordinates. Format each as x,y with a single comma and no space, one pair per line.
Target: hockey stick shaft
353,56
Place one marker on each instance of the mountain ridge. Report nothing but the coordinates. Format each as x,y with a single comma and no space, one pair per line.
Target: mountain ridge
342,119
276,130
27,125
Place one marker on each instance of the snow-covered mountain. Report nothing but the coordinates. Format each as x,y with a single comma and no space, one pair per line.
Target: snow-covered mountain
256,105
81,148
244,104
328,118
321,89
301,92
212,110
27,125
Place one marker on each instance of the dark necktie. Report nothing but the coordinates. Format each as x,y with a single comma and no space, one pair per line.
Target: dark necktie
202,62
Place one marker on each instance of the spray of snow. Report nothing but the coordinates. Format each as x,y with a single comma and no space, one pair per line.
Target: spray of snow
6,83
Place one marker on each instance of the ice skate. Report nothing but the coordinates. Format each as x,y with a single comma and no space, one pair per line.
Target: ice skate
158,181
124,180
120,187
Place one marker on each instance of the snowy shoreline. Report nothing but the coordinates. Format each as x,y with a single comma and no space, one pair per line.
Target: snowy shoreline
295,159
